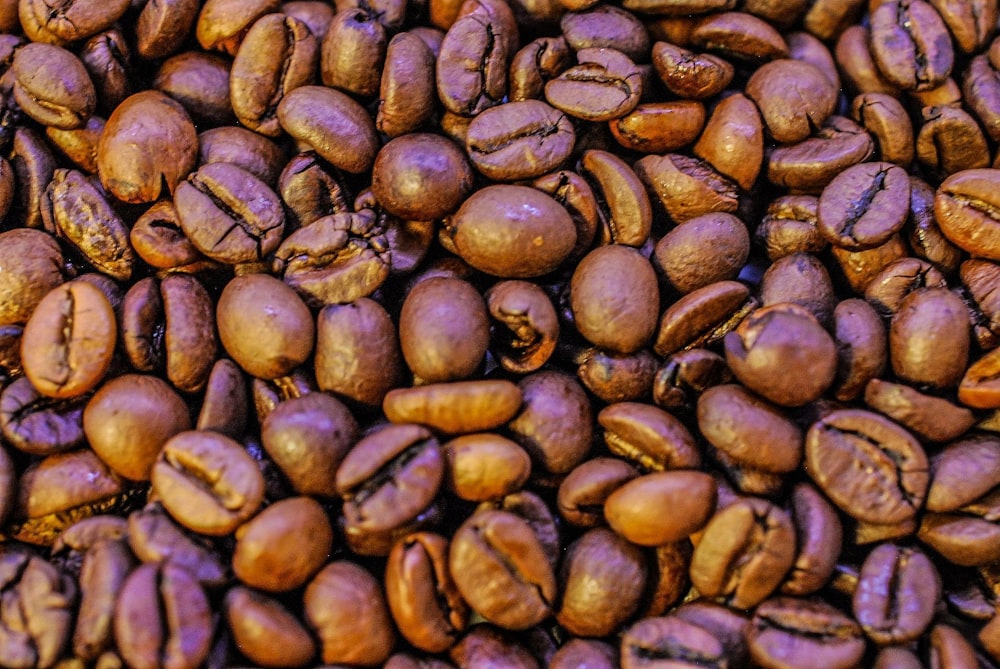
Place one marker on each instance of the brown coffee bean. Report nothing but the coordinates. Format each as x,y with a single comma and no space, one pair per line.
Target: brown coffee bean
387,481
421,177
794,98
108,59
744,553
80,214
813,163
537,62
159,241
623,207
281,548
660,127
200,82
422,596
345,607
690,75
332,124
800,279
457,407
930,418
43,596
635,510
773,338
129,419
687,374
603,314
526,326
819,536
155,538
73,22
283,330
52,86
485,466
207,481
353,52
584,654
929,338
485,644
162,618
950,141
583,492
886,119
162,27
69,340
910,44
648,436
963,206
32,262
806,633
604,85
979,387
136,161
511,232
265,631
686,187
498,565
703,317
33,165
36,424
471,70
677,249
407,92
739,35
669,640
106,564
733,140
222,24
864,205
606,26
601,581
845,445
554,423
519,140
861,267
890,576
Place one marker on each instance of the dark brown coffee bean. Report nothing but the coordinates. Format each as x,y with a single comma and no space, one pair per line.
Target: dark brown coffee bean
925,236
979,388
265,631
33,165
845,445
886,119
687,374
457,407
130,418
162,618
604,85
497,231
813,163
583,492
634,510
739,35
620,323
800,279
485,644
33,265
387,481
526,327
162,27
353,51
890,576
281,548
981,92
106,565
43,598
819,536
804,633
703,317
407,92
200,82
72,22
207,481
606,26
794,98
690,75
108,59
910,44
538,62
964,211
498,565
649,437
733,140
676,251
422,596
930,418
949,648
36,424
69,340
618,378
669,641
770,339
472,66
554,423
862,347
78,211
584,654
864,205
425,177
686,187
485,466
601,583
623,207
519,140
135,164
52,86
222,24
155,538
332,124
660,127
159,241
950,141
929,338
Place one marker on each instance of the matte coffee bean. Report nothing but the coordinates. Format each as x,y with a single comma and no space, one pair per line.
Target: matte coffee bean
818,634
265,631
52,86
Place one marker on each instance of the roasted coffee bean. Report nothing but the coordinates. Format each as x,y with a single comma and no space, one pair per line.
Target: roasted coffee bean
155,538
52,86
200,82
422,596
630,510
794,98
802,280
813,163
690,75
886,119
162,618
950,141
864,205
33,265
686,187
511,232
106,565
930,418
872,469
162,27
265,631
889,576
623,207
703,317
41,597
424,177
687,374
207,481
485,466
72,22
498,565
964,209
353,51
139,166
471,69
603,86
108,58
929,339
332,124
688,264
40,425
407,92
536,63
818,635
519,140
910,44
69,340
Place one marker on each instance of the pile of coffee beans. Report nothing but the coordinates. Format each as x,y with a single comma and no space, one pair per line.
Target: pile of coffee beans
499,334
